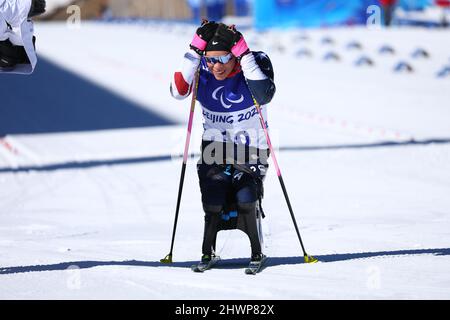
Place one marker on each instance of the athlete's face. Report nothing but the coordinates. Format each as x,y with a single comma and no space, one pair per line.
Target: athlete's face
220,70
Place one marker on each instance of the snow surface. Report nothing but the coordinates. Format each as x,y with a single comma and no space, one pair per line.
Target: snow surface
364,152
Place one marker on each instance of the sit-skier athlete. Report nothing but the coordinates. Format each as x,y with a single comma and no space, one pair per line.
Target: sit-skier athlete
234,157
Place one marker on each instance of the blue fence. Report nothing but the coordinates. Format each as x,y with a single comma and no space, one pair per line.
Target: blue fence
415,4
216,9
298,13
310,13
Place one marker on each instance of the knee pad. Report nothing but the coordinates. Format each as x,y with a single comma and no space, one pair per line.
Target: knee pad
246,207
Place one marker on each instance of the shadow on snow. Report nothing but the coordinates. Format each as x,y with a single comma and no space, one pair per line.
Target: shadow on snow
54,100
237,263
149,159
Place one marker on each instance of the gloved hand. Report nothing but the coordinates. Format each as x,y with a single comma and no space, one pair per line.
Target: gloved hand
229,39
203,35
240,47
8,57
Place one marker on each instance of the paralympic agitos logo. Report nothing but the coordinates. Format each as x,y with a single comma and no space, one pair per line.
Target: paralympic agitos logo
228,100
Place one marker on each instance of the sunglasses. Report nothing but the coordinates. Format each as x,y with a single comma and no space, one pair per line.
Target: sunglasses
220,59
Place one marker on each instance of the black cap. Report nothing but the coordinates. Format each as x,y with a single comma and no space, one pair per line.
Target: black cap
221,40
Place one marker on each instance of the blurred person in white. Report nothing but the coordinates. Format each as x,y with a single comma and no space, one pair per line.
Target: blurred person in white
17,40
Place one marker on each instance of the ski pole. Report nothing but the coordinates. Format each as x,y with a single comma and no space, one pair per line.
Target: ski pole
168,258
308,258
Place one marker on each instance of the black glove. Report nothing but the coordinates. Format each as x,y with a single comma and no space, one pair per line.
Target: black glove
37,8
7,55
10,55
203,35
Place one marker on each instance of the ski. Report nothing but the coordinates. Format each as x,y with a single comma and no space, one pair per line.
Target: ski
203,266
255,266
